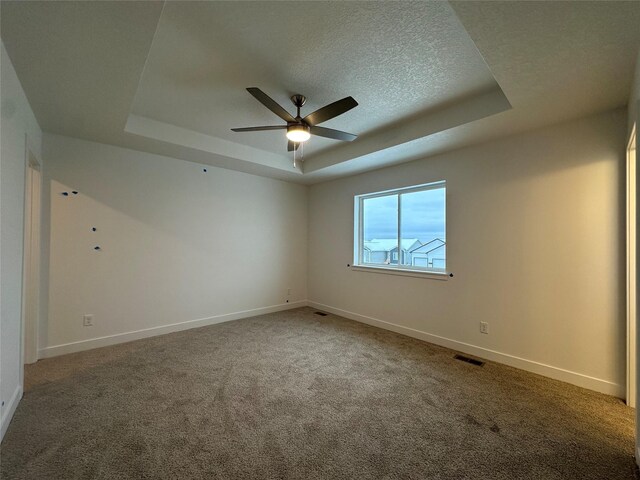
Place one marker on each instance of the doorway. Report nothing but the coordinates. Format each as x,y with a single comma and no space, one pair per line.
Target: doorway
31,266
632,226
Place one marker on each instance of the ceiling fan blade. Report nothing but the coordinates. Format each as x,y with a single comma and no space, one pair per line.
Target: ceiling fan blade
330,111
334,134
271,104
260,129
291,146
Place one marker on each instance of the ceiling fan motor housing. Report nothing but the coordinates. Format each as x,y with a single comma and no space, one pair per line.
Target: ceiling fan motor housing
298,100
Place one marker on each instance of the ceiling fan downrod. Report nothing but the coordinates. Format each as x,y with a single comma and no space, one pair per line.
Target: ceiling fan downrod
298,100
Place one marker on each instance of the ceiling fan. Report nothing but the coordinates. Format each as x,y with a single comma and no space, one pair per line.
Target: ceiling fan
300,129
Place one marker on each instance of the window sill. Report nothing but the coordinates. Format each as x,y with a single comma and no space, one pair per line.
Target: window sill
442,276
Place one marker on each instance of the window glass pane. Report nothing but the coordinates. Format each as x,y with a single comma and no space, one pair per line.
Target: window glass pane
380,230
422,229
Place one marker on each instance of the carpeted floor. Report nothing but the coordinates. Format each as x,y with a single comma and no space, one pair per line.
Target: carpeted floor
296,395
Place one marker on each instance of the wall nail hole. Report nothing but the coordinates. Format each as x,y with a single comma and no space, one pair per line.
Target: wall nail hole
93,229
96,248
204,170
75,192
66,194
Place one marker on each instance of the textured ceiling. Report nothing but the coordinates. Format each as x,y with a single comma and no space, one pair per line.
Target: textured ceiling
423,73
396,59
576,56
555,61
79,62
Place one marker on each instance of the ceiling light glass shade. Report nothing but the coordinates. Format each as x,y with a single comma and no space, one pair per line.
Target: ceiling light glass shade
298,133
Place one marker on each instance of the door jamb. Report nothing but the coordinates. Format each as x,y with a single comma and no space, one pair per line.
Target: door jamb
632,274
31,259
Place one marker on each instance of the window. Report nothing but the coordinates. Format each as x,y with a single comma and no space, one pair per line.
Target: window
402,229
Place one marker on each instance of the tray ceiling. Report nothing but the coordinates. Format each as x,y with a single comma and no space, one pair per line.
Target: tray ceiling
397,59
170,78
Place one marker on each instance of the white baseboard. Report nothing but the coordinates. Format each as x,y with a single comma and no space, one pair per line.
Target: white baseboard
9,410
550,371
79,346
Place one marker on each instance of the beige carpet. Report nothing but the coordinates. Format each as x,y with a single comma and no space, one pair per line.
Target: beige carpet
296,395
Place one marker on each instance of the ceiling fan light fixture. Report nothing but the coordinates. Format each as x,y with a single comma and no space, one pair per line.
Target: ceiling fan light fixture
298,133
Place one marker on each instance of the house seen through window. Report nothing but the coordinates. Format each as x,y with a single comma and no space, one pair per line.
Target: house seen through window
402,229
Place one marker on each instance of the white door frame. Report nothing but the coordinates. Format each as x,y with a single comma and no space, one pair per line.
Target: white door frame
31,265
632,298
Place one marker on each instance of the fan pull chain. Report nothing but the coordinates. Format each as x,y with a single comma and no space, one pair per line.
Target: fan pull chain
301,146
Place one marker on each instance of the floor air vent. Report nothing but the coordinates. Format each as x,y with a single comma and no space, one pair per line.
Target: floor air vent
322,314
472,361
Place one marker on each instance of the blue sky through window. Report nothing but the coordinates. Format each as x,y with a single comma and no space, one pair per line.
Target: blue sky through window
422,216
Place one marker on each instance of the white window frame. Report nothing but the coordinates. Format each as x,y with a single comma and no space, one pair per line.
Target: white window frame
397,269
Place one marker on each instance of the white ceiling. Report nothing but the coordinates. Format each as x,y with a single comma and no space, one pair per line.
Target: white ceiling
429,76
396,59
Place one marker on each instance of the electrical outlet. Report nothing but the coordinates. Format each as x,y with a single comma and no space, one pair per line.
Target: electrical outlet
87,320
484,327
